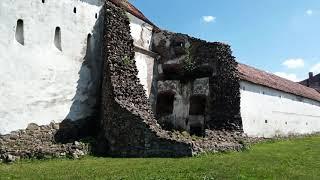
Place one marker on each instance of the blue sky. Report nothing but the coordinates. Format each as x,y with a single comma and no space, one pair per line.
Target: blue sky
279,36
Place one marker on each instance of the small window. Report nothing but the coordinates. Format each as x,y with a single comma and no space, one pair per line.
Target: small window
74,10
20,32
89,43
286,123
165,103
43,1
57,38
197,105
96,16
266,121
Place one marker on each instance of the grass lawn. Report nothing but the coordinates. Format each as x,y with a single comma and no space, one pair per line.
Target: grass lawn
289,159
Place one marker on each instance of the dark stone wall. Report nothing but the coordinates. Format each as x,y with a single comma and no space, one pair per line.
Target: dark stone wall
224,90
185,59
128,125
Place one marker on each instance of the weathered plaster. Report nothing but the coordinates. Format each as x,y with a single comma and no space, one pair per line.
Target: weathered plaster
141,33
40,83
267,112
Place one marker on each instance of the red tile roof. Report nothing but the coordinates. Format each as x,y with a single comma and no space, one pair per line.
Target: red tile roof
263,78
132,10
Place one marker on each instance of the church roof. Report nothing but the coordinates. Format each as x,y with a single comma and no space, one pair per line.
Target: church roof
270,80
132,10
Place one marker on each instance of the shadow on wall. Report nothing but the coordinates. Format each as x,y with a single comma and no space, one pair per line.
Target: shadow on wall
82,119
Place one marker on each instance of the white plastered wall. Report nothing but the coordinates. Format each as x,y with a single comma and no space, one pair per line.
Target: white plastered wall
268,112
141,33
38,83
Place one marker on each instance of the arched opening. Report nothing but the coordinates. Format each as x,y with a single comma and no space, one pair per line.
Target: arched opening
57,38
20,32
89,43
74,10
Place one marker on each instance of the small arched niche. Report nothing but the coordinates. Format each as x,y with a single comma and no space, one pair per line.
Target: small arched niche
89,43
57,38
20,32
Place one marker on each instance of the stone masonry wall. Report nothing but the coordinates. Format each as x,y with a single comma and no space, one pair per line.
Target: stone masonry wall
224,91
128,126
187,60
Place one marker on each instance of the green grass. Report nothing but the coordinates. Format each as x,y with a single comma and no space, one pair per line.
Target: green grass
289,159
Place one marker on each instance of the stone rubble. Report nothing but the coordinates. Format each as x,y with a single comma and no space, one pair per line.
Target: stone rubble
38,142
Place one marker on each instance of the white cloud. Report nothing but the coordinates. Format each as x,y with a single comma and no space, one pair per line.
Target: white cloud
309,12
209,19
294,63
288,76
315,68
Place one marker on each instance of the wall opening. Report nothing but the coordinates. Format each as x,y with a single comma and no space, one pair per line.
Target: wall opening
43,1
197,105
96,16
20,32
89,43
74,10
165,103
196,129
57,38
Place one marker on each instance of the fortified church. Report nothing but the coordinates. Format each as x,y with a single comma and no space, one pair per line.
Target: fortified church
96,76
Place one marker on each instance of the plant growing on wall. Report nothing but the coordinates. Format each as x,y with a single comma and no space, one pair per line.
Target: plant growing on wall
126,60
188,64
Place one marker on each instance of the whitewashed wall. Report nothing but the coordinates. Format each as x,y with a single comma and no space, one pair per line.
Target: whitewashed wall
141,33
267,112
38,82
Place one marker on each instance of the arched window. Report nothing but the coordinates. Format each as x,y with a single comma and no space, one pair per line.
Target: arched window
57,38
89,42
20,32
74,10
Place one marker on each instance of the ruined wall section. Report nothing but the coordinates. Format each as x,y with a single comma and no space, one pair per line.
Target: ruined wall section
224,90
185,60
128,125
